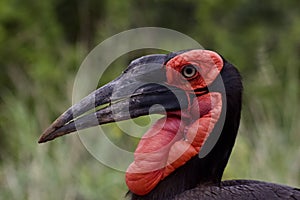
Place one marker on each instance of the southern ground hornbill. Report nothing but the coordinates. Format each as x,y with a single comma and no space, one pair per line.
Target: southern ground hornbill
200,95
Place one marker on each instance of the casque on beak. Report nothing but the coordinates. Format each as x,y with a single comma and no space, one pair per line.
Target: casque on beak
140,86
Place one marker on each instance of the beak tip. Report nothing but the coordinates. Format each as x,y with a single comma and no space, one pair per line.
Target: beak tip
41,140
45,137
48,133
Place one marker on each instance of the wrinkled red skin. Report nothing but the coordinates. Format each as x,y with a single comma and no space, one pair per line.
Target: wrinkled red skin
171,142
176,138
208,64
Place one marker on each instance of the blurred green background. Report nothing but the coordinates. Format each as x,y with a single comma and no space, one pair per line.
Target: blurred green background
44,42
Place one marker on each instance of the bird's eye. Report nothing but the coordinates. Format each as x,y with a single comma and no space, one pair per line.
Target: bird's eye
189,71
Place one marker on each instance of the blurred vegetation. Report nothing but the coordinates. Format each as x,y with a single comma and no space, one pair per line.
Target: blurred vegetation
44,42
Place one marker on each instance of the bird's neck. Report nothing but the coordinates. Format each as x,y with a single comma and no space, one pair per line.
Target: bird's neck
207,170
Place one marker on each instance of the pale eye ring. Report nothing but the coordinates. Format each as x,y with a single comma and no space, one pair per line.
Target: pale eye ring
189,71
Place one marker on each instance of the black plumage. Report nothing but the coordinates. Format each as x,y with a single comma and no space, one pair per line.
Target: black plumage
241,190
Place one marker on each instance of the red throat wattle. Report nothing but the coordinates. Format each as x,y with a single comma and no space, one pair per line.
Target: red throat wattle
171,142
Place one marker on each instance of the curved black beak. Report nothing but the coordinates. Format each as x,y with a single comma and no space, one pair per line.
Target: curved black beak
140,86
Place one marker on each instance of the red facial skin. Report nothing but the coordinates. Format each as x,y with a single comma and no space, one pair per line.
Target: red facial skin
176,138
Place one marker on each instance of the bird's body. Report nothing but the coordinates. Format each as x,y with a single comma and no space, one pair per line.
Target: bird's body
234,190
241,190
202,94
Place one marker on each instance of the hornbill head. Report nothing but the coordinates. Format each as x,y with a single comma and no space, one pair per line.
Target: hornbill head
187,85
